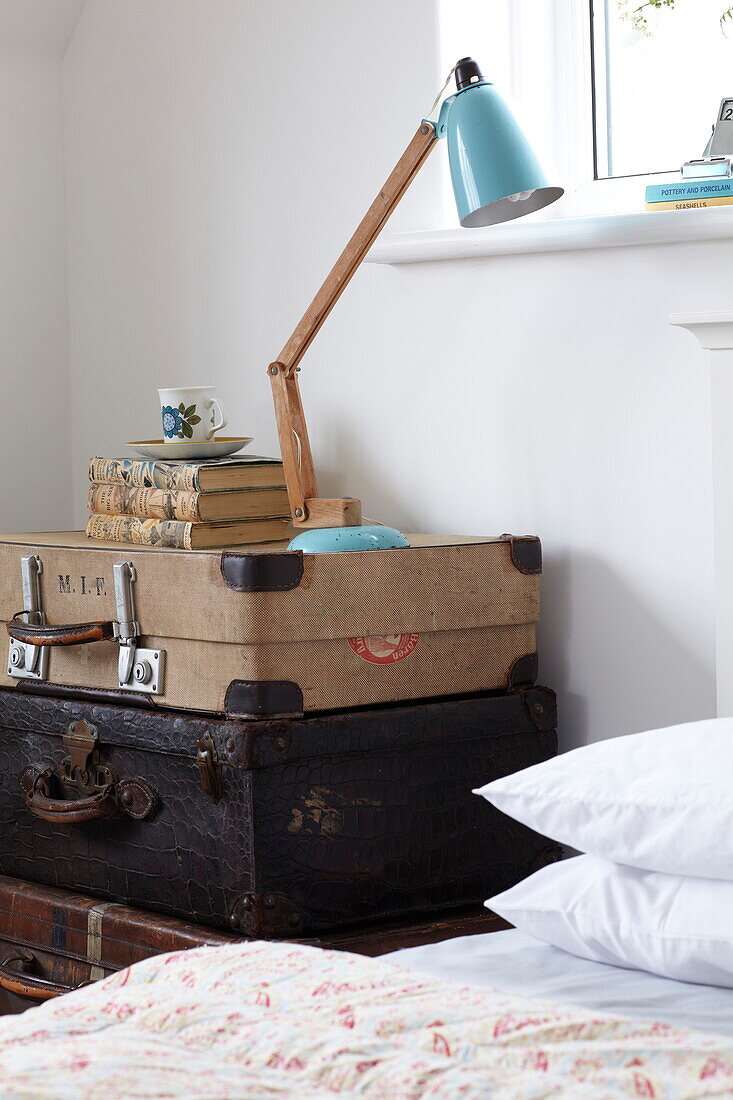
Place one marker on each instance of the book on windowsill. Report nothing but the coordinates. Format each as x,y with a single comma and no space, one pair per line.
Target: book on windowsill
180,535
685,190
688,204
243,472
188,505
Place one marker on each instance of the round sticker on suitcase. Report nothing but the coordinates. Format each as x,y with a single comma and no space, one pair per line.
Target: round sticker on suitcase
382,649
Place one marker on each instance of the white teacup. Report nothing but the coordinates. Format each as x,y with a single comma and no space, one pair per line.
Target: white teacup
191,412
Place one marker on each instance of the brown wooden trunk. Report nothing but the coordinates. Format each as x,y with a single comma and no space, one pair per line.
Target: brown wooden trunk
54,941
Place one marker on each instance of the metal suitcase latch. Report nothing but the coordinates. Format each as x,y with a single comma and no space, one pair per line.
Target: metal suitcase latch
138,669
208,766
82,770
25,661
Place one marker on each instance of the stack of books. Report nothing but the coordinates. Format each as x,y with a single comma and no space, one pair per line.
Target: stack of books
188,505
690,194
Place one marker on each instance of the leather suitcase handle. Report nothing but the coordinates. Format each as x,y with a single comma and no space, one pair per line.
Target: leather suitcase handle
69,634
62,811
24,984
132,796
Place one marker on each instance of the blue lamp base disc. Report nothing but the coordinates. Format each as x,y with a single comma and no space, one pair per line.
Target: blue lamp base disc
326,540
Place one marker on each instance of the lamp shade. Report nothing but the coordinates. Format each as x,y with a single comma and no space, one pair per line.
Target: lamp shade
495,173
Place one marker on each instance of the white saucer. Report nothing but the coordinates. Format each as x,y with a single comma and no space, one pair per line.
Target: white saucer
173,450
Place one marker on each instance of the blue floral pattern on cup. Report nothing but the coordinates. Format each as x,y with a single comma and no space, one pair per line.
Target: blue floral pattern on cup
171,421
178,422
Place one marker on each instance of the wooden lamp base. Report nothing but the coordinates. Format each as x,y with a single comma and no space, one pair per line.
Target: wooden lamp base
324,512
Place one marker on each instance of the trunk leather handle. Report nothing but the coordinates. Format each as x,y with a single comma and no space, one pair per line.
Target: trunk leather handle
25,984
69,634
36,786
131,796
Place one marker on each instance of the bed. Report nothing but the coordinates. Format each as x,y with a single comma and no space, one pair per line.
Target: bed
518,963
501,1016
270,1020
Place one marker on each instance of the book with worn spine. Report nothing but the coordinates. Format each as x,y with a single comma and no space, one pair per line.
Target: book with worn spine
182,535
188,505
247,472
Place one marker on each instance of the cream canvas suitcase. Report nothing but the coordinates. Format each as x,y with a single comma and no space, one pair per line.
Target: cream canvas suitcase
261,631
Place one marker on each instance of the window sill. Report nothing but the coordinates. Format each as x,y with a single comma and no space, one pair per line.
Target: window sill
555,235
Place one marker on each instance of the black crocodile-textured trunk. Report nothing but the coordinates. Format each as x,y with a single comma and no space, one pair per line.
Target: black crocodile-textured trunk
271,828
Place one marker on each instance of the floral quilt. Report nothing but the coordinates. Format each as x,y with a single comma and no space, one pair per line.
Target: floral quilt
262,1021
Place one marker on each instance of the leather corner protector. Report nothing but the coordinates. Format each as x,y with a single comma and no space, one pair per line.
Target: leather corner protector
524,671
526,553
275,572
541,704
263,699
265,916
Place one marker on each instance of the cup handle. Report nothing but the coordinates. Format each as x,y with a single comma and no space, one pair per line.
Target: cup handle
222,420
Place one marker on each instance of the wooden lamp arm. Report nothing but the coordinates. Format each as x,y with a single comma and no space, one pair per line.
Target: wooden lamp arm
307,508
362,240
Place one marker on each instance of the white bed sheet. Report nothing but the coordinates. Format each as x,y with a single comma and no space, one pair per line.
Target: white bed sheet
518,963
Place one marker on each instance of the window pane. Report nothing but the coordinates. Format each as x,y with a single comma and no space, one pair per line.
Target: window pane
659,94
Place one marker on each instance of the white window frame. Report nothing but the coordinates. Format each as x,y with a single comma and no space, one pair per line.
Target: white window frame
563,53
620,185
575,65
593,213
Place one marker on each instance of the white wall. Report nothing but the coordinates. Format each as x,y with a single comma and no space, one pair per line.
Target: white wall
218,155
548,394
35,486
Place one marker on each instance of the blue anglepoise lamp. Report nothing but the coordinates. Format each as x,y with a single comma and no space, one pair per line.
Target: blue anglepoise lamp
496,177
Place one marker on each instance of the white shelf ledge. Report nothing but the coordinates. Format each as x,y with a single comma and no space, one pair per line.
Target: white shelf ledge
713,330
555,235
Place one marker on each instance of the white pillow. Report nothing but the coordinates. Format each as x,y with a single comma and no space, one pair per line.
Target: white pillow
643,920
661,800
